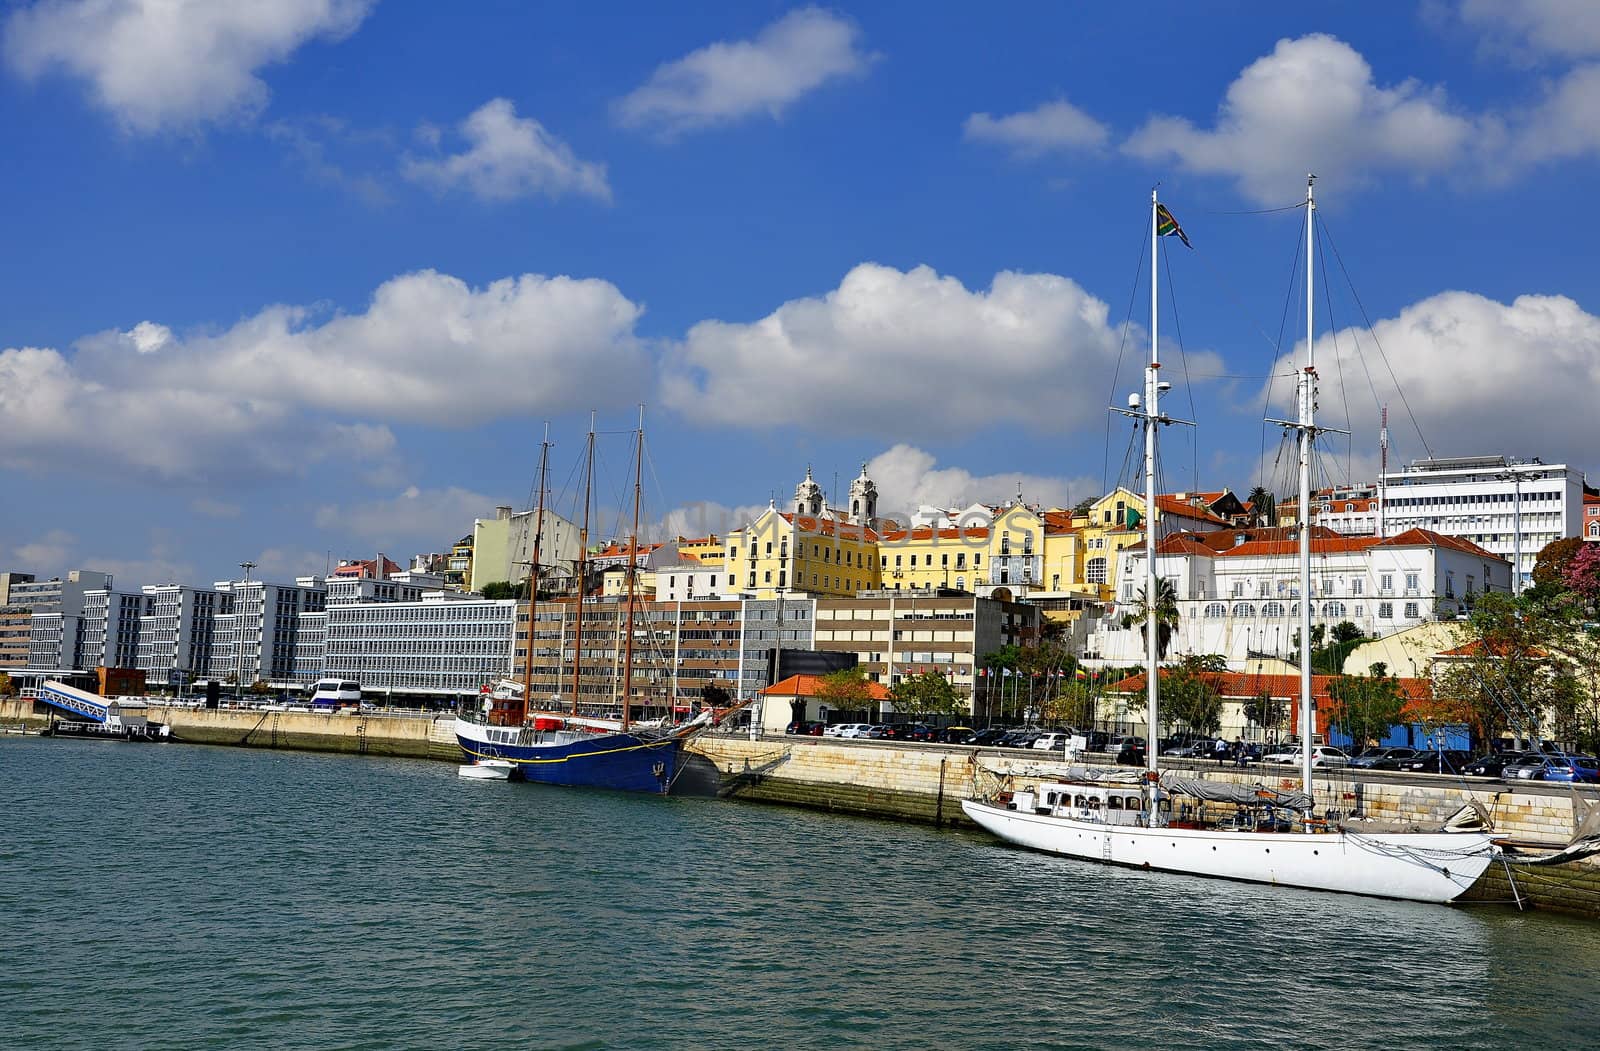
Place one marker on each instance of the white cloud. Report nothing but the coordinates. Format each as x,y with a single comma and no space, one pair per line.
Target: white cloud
148,337
909,477
45,556
1049,127
1313,105
508,157
731,80
910,355
205,505
284,564
1483,377
165,64
423,519
278,391
1564,124
703,518
1559,28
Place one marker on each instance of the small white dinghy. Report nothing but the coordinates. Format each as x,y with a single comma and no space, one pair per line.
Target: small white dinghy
487,770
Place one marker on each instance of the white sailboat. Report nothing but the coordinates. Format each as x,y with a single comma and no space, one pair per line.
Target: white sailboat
1102,816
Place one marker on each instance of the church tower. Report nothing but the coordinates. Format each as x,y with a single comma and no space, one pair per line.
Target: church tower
808,499
864,500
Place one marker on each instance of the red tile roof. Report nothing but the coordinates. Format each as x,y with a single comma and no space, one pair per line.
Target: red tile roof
1428,538
1235,684
808,685
900,536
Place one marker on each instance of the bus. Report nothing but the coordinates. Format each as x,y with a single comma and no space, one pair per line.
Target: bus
336,693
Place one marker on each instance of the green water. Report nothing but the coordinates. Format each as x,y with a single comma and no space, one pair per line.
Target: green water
179,896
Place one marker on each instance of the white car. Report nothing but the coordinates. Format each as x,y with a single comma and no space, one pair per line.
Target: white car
1321,755
1051,742
847,730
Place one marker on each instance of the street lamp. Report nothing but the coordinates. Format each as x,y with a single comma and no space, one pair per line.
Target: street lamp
238,628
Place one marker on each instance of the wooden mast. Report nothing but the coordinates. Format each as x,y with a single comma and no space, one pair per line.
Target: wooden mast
533,574
583,567
633,576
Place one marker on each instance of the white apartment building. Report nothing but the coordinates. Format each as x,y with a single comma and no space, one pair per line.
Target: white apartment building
55,633
255,640
110,629
440,642
1239,592
686,582
175,631
1508,507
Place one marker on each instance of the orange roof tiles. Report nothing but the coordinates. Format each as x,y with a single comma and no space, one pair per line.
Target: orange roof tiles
809,685
1237,684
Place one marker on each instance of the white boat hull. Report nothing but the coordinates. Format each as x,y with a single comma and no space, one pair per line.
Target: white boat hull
1412,866
486,770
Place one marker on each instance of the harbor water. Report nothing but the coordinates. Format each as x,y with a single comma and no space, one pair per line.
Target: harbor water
193,897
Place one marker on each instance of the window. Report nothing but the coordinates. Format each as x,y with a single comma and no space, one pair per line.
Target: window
1243,609
1327,585
1238,589
1386,583
1333,609
1272,609
1094,571
1411,611
1216,609
1386,611
1411,581
1356,586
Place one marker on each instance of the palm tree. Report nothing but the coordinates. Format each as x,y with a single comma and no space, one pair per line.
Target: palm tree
1263,507
1166,615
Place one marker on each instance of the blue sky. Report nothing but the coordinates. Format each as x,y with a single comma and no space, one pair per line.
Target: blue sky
310,279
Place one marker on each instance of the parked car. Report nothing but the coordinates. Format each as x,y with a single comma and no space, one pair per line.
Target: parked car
1382,758
847,730
1321,756
957,734
1097,740
988,738
1579,769
1018,739
1132,751
1449,761
1524,767
1050,742
1204,748
876,732
1490,765
917,732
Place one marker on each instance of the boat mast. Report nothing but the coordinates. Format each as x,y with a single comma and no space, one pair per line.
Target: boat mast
533,573
583,565
1151,589
1308,406
633,575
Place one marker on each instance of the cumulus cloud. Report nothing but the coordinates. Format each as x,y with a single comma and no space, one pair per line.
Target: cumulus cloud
47,555
730,80
160,65
424,518
1047,128
905,354
508,157
1313,105
1531,28
290,385
703,518
909,477
1483,377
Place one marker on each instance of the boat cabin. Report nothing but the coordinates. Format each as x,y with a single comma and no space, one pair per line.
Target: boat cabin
1107,804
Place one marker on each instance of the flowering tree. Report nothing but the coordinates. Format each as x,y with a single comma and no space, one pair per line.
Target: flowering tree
1582,573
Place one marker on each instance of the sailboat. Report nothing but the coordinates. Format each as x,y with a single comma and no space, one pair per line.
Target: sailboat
565,748
1274,837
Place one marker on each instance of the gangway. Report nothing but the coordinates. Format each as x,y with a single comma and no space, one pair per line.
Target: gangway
91,713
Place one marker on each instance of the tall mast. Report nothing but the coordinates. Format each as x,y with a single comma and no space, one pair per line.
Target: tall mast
633,575
583,565
533,573
1151,588
1308,408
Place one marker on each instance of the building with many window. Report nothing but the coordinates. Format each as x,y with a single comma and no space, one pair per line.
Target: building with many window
176,630
254,641
502,546
111,629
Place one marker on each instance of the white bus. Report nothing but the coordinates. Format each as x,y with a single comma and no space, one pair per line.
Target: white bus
336,693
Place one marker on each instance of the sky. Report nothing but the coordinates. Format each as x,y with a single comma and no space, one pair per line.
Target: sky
303,280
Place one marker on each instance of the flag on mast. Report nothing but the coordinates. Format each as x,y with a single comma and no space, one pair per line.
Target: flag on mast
1166,225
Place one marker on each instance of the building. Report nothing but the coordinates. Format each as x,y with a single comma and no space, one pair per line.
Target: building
1591,517
55,628
1512,508
16,628
111,629
176,631
413,642
458,568
254,641
1238,590
380,568
1350,510
502,546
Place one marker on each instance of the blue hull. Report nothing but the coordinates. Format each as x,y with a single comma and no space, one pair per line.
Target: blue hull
621,761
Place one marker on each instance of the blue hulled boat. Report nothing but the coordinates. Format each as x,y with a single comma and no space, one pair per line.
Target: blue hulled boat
559,751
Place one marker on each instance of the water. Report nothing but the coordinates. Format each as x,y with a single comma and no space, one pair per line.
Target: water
182,896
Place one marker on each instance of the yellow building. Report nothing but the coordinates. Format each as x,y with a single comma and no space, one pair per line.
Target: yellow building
710,551
929,557
823,556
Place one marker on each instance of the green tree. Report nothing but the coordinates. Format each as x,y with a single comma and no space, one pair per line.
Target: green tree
1510,668
1166,610
847,689
927,694
7,687
260,687
1189,698
1263,507
498,589
998,692
714,696
1266,712
1366,707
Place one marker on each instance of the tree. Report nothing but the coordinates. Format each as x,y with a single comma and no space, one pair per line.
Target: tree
498,589
1582,573
1083,507
1366,707
847,689
927,694
1265,712
1263,507
714,696
7,687
999,685
260,687
1550,566
1508,670
1166,610
1189,696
